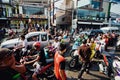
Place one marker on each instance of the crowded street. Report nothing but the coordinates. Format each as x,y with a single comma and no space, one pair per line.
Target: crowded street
72,73
59,40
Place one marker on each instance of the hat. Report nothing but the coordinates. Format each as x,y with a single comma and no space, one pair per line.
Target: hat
5,52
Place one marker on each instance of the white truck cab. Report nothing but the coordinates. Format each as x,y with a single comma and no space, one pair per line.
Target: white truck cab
31,37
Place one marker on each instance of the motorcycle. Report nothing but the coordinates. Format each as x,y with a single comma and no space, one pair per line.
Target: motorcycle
46,72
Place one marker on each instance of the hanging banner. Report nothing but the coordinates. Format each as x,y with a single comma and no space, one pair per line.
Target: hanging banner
82,3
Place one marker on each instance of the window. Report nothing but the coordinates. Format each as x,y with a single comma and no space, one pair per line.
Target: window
43,37
33,10
33,38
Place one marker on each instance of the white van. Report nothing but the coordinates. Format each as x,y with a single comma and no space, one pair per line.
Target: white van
110,29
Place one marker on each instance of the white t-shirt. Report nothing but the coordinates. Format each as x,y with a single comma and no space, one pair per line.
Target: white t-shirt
56,45
24,43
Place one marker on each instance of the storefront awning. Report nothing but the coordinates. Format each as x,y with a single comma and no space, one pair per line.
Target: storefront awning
93,23
84,22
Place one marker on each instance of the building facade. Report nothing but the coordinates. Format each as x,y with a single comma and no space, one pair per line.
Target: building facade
6,10
92,15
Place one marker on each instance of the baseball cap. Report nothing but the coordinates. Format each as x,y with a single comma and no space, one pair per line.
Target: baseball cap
4,52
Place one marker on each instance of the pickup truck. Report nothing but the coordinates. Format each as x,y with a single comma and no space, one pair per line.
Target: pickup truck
31,37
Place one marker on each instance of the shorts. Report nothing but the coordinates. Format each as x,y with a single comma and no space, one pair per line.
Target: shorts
38,68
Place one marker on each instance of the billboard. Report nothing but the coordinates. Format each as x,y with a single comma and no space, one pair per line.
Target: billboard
82,3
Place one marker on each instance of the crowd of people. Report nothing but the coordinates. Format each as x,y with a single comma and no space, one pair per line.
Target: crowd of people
85,50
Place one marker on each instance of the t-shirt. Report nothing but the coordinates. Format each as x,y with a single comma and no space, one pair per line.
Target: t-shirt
42,57
62,65
24,43
56,44
85,52
41,54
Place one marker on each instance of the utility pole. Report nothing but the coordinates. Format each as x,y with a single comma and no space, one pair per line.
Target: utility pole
53,11
109,18
49,14
72,11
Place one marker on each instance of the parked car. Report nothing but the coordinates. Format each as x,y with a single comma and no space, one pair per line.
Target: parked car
92,32
31,37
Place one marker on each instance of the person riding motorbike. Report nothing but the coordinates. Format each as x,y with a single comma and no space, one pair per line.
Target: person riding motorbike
39,60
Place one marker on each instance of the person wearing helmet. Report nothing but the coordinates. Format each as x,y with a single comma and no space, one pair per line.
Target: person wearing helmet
39,56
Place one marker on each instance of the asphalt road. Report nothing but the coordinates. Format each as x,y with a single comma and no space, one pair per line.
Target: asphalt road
94,70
